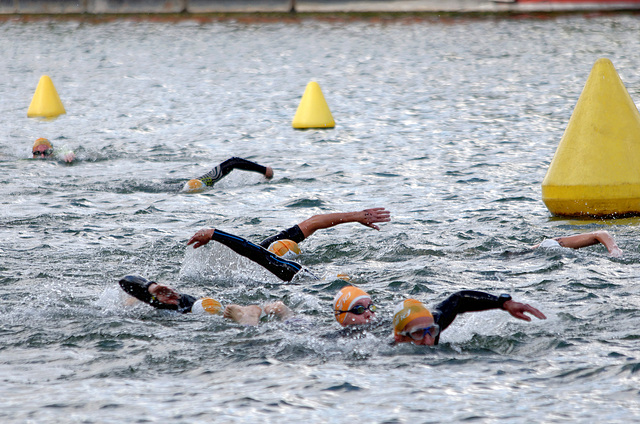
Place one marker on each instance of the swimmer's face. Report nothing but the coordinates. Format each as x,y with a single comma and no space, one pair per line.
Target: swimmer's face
421,331
366,317
42,151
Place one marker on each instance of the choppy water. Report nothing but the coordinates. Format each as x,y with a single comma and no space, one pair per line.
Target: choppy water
450,124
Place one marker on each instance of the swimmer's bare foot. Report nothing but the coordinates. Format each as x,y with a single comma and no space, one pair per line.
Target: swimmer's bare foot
278,309
269,172
246,315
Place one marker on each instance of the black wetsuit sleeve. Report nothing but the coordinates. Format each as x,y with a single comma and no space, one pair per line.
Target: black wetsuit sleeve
294,233
138,287
220,171
461,302
282,268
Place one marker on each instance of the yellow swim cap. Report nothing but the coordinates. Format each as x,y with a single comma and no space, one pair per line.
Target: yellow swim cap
345,300
406,312
206,305
193,186
285,248
42,141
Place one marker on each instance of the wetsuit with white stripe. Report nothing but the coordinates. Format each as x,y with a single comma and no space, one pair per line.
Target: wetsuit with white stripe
220,171
282,268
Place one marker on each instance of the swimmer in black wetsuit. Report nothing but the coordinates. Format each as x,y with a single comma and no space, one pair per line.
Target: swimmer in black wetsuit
282,268
217,173
412,321
160,296
164,297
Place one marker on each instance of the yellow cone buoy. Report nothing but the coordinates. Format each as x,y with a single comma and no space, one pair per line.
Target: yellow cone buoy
595,168
313,111
46,102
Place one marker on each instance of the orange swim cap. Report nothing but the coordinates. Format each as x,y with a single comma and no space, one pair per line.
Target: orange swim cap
206,305
42,141
406,312
345,300
285,248
193,186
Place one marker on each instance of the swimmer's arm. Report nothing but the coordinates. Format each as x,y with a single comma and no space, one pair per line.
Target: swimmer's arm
367,217
65,155
589,239
201,238
69,157
474,301
280,267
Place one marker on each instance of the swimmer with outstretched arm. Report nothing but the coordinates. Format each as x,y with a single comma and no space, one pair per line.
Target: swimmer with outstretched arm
583,240
220,171
282,268
414,323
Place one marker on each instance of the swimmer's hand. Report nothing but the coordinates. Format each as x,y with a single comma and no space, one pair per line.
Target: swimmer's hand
164,294
615,251
268,173
517,310
369,216
201,238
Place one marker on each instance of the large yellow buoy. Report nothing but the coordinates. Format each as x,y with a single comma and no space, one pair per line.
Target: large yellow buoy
595,170
45,102
313,110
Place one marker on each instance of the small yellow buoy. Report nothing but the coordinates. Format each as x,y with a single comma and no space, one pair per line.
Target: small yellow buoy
313,111
45,102
595,168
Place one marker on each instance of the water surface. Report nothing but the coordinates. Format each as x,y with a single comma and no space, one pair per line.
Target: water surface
450,124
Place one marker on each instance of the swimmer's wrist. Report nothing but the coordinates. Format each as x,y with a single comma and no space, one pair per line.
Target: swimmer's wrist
503,299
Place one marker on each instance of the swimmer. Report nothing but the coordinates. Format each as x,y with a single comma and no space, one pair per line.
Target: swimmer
353,306
583,240
43,149
414,323
197,185
164,297
283,268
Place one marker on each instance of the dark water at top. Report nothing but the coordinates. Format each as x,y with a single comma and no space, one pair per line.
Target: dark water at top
451,125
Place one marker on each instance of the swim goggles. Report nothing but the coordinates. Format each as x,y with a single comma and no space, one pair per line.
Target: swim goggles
42,153
358,310
419,333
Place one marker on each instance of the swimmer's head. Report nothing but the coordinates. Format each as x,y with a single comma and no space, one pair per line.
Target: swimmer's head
206,306
42,148
287,249
193,186
412,322
353,306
